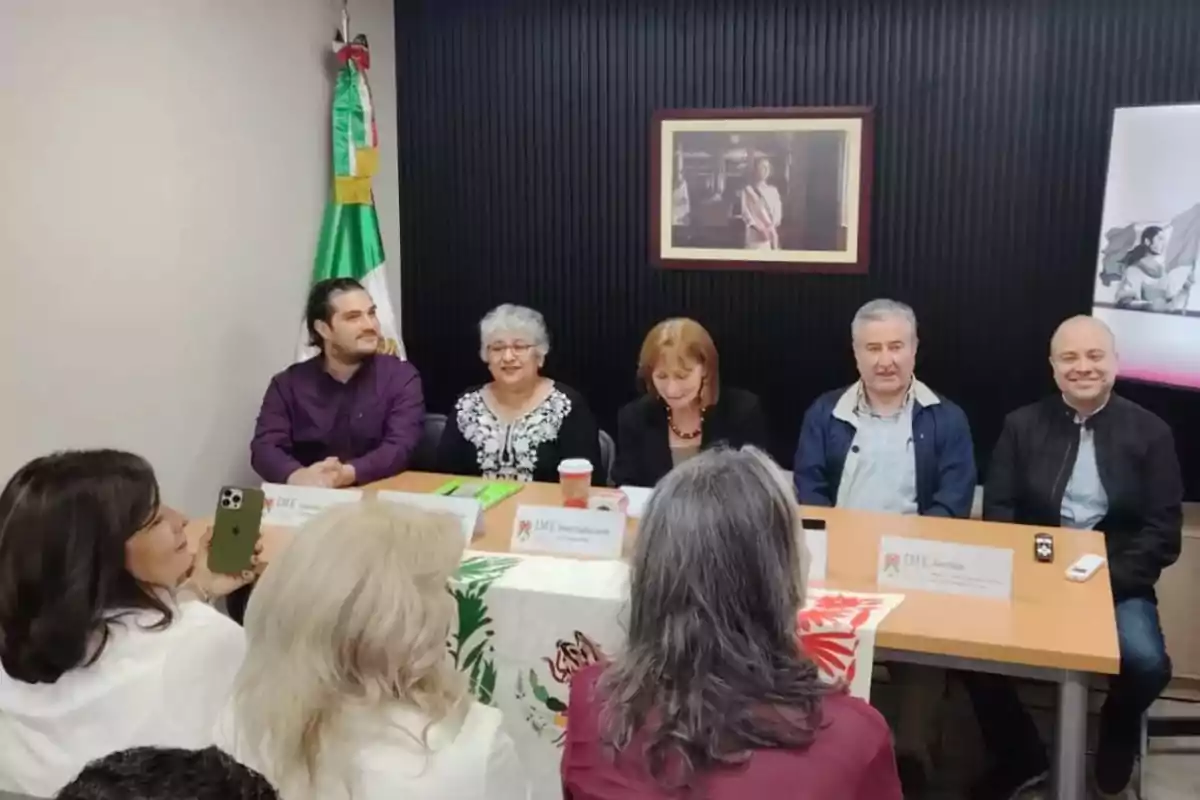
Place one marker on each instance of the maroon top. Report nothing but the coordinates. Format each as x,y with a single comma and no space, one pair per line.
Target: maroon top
851,758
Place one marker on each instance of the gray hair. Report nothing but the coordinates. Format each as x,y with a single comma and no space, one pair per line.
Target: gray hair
881,309
716,581
514,319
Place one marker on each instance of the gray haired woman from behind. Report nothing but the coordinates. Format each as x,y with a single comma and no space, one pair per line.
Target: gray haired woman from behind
713,696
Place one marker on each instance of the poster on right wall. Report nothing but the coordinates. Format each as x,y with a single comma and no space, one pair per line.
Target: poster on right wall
1145,280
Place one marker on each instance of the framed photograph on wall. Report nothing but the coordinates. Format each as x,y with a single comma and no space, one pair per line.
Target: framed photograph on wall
784,189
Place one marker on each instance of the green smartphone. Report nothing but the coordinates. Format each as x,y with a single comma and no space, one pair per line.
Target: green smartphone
236,527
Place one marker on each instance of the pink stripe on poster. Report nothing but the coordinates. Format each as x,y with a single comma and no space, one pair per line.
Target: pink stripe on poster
1190,380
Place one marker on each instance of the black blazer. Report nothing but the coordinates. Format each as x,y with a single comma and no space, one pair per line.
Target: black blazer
643,438
1135,455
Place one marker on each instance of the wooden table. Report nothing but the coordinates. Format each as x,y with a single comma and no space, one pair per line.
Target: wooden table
1052,630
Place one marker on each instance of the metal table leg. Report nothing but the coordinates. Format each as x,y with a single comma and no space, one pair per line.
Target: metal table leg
1070,776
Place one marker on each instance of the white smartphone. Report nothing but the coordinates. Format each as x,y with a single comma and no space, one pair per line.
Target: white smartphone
1084,568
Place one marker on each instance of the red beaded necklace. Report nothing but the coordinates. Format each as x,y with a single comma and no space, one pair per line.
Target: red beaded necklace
685,436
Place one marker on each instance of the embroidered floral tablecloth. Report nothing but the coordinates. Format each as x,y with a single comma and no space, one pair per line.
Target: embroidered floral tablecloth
526,624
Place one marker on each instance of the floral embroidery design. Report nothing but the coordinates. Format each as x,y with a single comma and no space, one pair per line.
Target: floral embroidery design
828,633
508,451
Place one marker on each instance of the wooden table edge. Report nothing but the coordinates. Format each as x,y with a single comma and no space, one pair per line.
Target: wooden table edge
995,654
905,642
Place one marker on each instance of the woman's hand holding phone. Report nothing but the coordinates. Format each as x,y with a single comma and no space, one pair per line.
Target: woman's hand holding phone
211,585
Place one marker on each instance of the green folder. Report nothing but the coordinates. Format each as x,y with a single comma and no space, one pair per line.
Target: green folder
490,492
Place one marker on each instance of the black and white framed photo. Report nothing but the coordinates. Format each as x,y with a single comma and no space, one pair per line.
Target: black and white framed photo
755,188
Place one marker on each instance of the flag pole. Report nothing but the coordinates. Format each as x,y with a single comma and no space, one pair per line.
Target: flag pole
346,21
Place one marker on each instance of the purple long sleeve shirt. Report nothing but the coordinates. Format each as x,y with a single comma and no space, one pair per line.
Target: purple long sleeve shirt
372,422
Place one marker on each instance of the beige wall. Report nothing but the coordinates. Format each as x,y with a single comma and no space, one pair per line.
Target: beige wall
163,169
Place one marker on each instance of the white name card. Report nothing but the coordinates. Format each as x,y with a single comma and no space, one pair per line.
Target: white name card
568,531
818,553
467,509
638,497
292,506
946,567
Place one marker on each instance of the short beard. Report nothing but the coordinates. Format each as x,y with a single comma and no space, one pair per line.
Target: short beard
349,356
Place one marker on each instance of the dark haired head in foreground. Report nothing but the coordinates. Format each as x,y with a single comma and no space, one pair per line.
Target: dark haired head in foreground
82,537
717,578
152,773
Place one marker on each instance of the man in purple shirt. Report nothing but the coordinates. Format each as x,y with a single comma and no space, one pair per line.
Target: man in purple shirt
347,417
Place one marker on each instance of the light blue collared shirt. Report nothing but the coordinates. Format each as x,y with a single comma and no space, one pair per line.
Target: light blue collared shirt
1084,501
881,474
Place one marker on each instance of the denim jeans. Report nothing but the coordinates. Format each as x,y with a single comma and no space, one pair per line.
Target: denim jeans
1008,731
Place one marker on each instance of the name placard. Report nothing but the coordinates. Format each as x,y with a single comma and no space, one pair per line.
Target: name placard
568,531
638,497
818,553
467,509
292,506
946,567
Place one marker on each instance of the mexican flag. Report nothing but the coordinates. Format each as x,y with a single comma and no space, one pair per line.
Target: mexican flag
350,245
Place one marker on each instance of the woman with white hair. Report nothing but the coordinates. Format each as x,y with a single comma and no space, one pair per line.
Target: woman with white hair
521,424
712,696
347,690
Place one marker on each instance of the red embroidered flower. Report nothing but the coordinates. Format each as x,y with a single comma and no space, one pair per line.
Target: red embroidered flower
830,609
833,652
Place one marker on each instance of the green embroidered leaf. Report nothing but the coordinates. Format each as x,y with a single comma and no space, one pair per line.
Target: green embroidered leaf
486,686
556,705
472,615
474,577
539,691
475,654
484,568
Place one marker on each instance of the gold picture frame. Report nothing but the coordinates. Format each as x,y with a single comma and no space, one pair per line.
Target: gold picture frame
762,189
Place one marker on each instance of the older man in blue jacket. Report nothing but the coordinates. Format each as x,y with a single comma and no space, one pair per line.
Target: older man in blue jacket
890,443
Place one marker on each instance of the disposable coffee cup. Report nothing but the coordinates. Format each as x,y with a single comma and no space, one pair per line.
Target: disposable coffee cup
575,480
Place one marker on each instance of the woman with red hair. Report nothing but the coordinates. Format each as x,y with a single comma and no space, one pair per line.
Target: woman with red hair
684,410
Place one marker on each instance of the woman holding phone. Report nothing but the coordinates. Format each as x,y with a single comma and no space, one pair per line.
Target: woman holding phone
105,642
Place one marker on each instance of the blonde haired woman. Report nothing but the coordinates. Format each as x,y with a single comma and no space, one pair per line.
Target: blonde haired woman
347,690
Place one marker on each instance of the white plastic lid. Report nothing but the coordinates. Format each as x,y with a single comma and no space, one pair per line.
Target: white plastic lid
574,466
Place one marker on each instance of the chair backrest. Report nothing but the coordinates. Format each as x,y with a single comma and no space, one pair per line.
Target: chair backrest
425,457
608,454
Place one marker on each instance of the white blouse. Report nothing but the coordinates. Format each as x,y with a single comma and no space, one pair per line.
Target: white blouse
477,761
148,688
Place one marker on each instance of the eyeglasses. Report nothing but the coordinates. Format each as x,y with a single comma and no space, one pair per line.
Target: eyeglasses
519,349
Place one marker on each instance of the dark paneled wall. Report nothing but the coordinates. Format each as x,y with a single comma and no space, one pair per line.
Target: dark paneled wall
524,131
